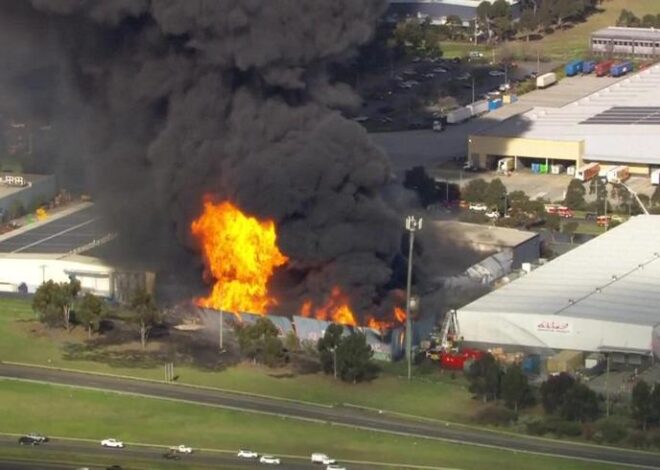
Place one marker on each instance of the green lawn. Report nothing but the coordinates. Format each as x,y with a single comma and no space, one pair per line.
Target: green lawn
436,395
67,412
574,42
451,49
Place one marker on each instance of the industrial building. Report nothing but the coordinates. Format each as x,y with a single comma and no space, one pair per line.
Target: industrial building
19,193
619,41
616,125
602,296
437,11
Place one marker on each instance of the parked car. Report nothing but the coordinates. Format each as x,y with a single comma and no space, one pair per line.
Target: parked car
590,216
28,441
114,443
247,454
493,215
496,73
478,206
269,459
440,70
182,449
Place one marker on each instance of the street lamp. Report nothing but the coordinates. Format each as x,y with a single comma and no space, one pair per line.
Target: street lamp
412,225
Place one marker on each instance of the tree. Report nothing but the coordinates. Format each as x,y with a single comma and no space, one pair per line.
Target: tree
648,21
260,342
89,312
567,9
580,403
575,195
655,404
354,359
475,190
554,390
56,299
598,186
516,391
641,403
627,18
484,375
569,228
495,194
528,23
145,313
327,347
547,14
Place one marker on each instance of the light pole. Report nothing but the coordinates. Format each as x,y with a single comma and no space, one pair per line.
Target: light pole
412,225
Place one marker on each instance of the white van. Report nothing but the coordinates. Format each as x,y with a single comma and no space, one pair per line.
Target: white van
322,459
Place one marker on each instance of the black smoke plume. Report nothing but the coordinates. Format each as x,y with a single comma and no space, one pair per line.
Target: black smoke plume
156,103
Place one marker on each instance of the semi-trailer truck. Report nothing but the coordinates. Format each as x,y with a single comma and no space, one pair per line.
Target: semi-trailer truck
545,80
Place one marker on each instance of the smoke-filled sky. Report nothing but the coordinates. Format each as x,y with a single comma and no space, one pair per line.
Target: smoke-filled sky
155,103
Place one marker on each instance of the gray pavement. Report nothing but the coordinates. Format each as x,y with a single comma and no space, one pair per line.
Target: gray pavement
340,416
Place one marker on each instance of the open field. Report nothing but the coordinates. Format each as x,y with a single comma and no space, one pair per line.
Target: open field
574,42
25,340
69,412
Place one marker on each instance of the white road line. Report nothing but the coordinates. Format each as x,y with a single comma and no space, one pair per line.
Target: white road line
38,242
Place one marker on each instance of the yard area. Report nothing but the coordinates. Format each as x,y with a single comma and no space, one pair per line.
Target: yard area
90,414
25,340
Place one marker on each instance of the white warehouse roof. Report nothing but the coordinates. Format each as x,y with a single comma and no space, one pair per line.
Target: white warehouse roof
613,278
630,108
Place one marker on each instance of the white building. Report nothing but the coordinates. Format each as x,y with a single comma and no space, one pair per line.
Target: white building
601,296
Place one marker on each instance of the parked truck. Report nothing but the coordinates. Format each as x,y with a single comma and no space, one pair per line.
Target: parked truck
655,176
621,68
618,174
505,165
586,172
603,68
545,80
459,115
573,68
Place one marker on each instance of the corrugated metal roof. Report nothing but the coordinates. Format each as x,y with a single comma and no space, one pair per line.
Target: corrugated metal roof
615,277
619,32
603,142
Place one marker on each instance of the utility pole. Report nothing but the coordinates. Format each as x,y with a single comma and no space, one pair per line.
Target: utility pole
412,225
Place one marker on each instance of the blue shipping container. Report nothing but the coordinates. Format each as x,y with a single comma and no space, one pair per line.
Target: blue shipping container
573,68
588,66
621,68
494,104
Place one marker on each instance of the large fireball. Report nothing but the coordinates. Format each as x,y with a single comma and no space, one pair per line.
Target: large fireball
240,254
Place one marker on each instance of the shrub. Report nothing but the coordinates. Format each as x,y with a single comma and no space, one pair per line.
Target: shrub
638,440
610,430
556,426
495,415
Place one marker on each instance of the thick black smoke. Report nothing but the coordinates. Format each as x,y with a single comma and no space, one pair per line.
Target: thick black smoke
156,103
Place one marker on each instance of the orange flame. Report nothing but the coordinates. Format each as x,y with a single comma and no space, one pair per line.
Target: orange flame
241,254
335,309
400,315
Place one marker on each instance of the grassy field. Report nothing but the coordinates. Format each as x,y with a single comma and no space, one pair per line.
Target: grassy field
25,340
574,42
451,49
67,412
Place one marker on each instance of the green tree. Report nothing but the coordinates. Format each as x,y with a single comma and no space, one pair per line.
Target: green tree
260,342
654,416
516,391
52,299
528,23
495,194
552,222
648,21
598,186
144,314
554,390
475,190
89,312
575,195
580,403
327,347
547,14
354,362
569,228
484,375
640,405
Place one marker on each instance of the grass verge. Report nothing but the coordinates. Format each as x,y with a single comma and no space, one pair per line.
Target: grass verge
95,415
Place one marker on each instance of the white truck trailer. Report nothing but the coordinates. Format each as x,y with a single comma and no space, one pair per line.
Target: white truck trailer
545,80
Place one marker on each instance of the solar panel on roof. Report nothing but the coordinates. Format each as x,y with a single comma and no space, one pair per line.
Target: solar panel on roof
618,115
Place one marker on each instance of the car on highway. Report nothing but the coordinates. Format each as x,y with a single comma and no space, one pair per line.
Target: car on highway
37,437
335,467
114,443
322,458
247,454
478,207
28,441
269,459
182,449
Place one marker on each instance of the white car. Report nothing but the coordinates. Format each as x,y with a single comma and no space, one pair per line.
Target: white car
440,70
335,467
37,437
112,443
493,215
182,449
496,73
269,459
247,454
478,206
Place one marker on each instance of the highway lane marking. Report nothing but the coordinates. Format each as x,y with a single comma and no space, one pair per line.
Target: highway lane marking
334,423
62,232
175,384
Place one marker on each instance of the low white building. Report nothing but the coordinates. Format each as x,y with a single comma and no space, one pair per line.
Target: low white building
601,296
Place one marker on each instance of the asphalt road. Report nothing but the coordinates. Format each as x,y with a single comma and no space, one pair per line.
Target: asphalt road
340,416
